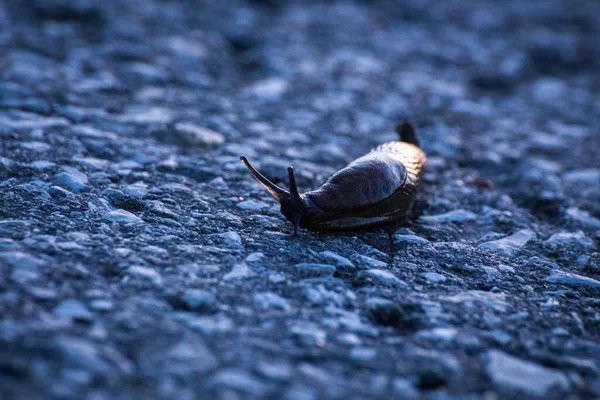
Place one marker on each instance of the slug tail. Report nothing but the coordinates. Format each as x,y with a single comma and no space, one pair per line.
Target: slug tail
407,133
278,193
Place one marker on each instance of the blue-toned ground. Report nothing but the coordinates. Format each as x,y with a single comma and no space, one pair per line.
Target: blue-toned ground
139,259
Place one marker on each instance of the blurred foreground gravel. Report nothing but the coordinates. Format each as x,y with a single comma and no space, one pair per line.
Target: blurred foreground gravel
139,260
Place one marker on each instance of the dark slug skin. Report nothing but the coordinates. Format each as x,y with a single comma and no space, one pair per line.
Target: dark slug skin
374,189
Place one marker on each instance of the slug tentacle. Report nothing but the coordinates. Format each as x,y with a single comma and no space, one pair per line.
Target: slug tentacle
294,208
278,193
374,189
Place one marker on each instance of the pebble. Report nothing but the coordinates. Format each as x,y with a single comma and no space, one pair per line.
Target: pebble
451,216
239,380
438,335
495,301
57,192
193,135
569,238
404,389
145,273
122,216
308,333
25,267
434,277
311,270
589,177
239,271
583,217
190,355
275,370
512,374
499,336
230,239
380,277
320,295
342,263
571,279
268,89
253,205
83,354
198,299
71,179
271,300
73,309
255,257
369,262
363,353
512,244
101,305
409,239
209,325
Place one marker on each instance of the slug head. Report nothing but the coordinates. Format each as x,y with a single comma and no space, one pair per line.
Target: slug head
292,205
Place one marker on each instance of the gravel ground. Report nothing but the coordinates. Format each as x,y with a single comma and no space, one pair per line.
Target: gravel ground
139,259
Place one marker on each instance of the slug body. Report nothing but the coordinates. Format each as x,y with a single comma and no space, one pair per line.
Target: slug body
374,189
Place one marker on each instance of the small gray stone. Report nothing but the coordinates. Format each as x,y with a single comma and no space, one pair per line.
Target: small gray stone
239,271
145,273
459,215
101,305
57,192
137,191
308,333
570,279
495,301
230,239
310,270
380,277
363,353
409,239
25,267
438,335
194,135
510,245
210,325
191,355
506,268
83,354
583,217
42,164
369,262
434,277
499,336
198,299
512,374
122,216
73,309
268,89
404,389
253,205
239,380
569,238
271,300
337,260
589,177
277,370
71,179
320,295
255,257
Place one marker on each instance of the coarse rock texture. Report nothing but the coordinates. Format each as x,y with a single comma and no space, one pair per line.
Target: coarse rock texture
139,259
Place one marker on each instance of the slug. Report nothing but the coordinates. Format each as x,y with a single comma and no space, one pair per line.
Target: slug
374,189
